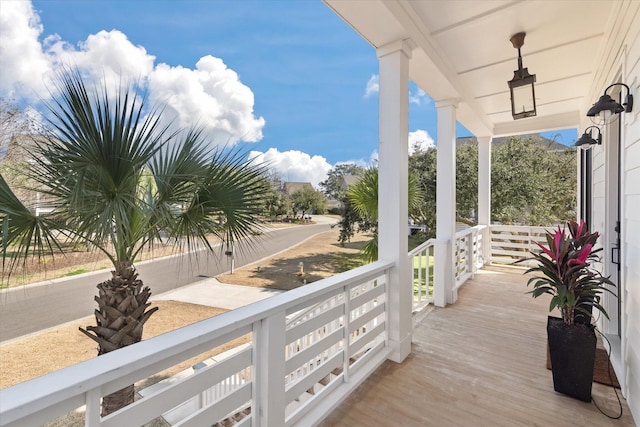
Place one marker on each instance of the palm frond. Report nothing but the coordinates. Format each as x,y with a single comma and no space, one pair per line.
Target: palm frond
24,235
94,161
364,195
208,191
370,250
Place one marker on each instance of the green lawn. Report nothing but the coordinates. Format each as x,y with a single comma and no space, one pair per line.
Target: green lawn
76,272
422,267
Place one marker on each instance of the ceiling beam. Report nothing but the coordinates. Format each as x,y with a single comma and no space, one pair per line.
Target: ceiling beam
404,13
538,124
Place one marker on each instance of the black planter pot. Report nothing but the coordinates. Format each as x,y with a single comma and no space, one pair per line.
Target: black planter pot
573,350
583,318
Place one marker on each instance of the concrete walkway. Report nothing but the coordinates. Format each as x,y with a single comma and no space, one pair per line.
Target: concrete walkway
213,293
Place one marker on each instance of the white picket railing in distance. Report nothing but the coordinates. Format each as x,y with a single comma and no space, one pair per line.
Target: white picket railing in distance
468,253
468,258
510,243
295,367
421,260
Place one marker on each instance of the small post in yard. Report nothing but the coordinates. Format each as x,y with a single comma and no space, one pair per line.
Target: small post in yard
229,253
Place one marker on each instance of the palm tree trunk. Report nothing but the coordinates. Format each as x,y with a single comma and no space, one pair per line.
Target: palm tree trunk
120,317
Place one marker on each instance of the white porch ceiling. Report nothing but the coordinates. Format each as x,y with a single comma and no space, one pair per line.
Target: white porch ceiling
462,50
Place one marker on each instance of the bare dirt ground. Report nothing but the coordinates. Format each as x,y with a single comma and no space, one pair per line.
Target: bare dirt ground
54,349
317,258
47,351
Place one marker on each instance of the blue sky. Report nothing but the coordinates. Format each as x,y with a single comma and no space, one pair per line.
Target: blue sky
296,75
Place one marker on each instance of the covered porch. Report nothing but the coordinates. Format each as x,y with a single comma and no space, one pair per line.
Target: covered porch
461,54
480,361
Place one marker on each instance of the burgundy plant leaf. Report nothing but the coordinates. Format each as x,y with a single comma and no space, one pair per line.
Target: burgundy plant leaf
546,251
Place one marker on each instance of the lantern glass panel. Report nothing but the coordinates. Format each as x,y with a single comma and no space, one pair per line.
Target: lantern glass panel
523,99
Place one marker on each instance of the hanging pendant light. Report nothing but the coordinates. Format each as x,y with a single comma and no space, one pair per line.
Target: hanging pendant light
523,94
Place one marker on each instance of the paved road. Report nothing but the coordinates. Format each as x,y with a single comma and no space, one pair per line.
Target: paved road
32,308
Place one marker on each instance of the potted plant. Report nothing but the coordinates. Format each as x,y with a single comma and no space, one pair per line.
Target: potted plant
563,270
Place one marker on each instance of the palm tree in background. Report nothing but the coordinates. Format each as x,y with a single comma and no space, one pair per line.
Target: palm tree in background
363,198
119,181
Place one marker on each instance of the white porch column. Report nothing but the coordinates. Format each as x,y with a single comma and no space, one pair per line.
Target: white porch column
392,192
444,276
484,194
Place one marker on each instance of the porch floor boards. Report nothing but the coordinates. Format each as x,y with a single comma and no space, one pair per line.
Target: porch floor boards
478,362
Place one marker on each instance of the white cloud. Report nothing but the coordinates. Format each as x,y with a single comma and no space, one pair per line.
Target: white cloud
24,64
420,140
211,95
373,158
418,97
373,86
294,165
107,55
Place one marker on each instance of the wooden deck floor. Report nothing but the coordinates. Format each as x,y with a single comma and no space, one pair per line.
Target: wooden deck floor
479,362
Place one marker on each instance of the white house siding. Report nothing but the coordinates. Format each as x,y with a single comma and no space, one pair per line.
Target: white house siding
631,228
631,273
621,62
631,219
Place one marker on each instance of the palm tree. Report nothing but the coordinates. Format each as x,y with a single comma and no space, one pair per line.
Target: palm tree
363,198
119,181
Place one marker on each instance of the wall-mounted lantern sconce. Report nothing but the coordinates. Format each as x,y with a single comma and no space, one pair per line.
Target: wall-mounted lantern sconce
607,107
523,94
586,141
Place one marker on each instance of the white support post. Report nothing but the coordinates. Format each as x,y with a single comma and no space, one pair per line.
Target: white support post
269,365
484,194
444,273
93,401
392,191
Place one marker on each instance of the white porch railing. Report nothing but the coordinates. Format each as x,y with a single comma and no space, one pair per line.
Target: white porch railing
293,373
468,253
421,259
468,258
510,243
